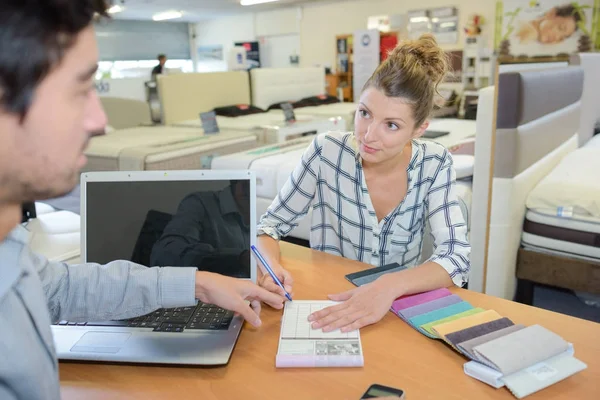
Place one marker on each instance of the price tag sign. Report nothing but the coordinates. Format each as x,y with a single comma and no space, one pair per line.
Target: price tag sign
209,122
288,112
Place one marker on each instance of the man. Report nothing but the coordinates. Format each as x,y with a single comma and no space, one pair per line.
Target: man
202,223
160,68
48,109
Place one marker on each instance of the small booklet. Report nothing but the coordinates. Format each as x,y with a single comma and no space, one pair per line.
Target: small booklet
302,346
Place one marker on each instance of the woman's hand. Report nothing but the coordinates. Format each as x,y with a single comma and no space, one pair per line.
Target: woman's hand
361,306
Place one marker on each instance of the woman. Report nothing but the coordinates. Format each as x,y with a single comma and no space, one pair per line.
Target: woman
373,191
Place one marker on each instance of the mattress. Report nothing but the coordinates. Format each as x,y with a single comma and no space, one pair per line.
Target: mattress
460,130
162,148
343,110
593,142
268,162
270,127
576,236
55,235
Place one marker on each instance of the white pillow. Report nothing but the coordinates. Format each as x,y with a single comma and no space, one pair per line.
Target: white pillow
572,187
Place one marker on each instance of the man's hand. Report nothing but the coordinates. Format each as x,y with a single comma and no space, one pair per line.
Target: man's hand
232,294
267,282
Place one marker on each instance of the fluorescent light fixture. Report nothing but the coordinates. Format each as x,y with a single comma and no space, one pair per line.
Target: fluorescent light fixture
115,9
254,2
167,15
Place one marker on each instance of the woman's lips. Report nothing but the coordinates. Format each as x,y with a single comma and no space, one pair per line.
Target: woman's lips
369,150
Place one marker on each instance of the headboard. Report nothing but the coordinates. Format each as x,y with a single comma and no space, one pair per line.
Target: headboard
184,96
276,85
126,113
534,130
590,99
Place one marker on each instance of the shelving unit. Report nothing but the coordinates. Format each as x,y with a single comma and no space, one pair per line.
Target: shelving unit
477,69
344,64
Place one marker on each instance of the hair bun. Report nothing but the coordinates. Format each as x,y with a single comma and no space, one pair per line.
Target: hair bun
425,52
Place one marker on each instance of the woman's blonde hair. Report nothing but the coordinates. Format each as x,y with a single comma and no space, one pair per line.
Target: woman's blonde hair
412,71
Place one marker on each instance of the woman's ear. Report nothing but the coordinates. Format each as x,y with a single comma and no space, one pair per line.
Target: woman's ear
420,130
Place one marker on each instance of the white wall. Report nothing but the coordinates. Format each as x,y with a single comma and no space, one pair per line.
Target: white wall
224,31
321,23
318,24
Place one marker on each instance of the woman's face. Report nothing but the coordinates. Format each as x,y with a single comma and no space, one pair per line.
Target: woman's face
555,29
383,126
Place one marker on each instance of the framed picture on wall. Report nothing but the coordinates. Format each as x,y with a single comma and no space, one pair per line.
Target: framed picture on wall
534,29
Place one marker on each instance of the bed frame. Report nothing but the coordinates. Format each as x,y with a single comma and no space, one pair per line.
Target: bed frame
533,132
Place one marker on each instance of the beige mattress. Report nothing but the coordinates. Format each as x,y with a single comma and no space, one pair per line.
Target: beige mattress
343,110
162,148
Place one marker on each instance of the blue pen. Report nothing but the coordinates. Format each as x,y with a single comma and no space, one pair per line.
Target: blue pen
270,271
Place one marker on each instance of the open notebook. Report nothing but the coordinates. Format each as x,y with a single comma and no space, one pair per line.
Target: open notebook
302,346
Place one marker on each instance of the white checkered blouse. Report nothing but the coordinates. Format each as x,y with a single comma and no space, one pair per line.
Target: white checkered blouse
331,179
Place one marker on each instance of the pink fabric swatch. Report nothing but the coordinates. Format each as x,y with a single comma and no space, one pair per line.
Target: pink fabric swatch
415,299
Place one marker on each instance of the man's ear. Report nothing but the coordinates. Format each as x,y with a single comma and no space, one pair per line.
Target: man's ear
420,130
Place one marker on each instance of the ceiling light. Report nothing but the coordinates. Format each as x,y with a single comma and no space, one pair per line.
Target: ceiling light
253,2
167,15
115,9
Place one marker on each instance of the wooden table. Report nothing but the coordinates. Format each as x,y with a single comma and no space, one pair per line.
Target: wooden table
395,355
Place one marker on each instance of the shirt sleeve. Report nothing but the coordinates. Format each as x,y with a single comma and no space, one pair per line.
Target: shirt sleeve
6,393
118,290
448,227
295,197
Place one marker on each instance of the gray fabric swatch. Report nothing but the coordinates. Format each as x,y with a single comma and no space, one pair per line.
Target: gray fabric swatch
467,347
521,349
472,332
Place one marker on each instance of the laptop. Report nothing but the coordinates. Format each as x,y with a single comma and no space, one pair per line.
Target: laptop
136,216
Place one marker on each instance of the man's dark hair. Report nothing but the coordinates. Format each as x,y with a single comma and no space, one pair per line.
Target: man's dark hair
34,36
568,10
161,56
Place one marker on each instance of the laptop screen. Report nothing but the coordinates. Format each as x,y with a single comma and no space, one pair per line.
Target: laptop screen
199,223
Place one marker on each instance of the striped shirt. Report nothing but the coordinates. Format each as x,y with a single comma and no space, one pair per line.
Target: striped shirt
330,177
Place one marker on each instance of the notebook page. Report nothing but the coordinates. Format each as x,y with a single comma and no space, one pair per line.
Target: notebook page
302,346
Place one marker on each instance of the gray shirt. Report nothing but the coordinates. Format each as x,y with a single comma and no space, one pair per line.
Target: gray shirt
35,292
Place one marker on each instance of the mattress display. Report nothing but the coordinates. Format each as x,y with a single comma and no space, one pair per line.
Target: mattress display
593,142
343,110
55,234
270,127
460,129
162,148
570,235
270,164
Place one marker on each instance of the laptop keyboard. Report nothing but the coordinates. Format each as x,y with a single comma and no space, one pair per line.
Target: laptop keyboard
202,316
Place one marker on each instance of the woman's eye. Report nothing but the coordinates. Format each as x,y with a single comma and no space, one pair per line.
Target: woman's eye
363,113
392,126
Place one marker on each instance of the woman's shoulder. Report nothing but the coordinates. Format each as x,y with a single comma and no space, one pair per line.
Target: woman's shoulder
433,151
334,141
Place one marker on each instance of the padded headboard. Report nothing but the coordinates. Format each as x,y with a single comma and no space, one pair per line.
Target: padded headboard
590,99
184,96
276,85
534,130
126,113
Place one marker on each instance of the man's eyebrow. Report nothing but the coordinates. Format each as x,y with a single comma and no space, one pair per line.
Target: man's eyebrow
87,75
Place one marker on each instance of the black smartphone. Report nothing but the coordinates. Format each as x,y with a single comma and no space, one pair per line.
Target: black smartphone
429,134
369,275
376,390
